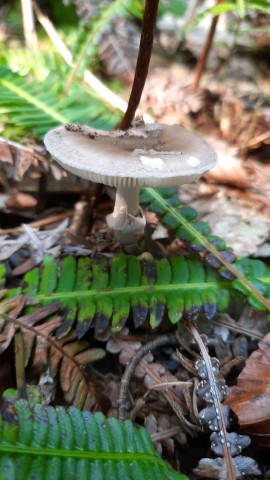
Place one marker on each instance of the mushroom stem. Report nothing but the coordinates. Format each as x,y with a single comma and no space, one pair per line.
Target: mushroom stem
127,199
127,219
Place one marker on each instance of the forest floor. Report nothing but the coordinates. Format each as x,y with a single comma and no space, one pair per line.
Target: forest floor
63,215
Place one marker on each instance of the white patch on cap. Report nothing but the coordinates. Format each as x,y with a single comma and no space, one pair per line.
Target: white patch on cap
193,161
152,162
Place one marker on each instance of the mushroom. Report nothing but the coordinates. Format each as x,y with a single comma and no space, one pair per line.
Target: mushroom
151,155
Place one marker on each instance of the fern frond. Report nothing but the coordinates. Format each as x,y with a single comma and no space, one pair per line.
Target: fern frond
66,364
57,444
65,358
98,293
183,219
101,293
198,236
33,107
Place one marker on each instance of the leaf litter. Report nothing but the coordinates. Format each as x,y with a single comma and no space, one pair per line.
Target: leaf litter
233,199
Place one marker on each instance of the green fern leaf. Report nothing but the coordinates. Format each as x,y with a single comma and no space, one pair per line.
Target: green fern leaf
258,275
58,444
183,219
212,249
101,293
2,275
33,107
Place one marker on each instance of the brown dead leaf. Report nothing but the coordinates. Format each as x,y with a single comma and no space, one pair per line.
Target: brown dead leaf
230,171
163,428
250,400
40,359
13,307
5,153
19,201
230,116
19,158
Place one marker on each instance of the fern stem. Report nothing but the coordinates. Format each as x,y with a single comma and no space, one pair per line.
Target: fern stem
143,61
231,475
19,363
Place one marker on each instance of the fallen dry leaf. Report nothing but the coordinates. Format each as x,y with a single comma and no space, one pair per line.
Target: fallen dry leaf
229,171
19,201
250,400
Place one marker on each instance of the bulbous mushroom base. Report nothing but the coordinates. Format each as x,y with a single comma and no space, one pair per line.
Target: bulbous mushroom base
127,228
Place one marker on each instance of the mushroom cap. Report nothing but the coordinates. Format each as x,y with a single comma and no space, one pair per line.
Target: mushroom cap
152,155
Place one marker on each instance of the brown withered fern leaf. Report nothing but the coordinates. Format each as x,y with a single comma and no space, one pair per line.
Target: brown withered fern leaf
64,360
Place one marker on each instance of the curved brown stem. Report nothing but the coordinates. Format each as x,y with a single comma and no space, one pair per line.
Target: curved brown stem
205,52
144,56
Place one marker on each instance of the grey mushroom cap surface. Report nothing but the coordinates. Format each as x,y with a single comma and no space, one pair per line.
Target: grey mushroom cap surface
153,155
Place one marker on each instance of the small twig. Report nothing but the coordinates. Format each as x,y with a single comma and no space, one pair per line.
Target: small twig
132,364
170,384
165,389
205,52
19,365
258,139
29,29
231,475
170,432
251,128
228,366
39,223
143,61
79,221
238,329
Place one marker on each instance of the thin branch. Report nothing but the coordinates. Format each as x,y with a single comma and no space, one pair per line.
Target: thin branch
29,29
170,432
132,364
258,139
143,61
205,52
39,223
238,328
19,364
